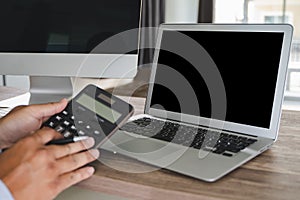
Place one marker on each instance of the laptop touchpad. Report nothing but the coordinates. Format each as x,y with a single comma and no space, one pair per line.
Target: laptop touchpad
144,146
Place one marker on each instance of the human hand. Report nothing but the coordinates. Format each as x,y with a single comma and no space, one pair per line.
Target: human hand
34,171
23,120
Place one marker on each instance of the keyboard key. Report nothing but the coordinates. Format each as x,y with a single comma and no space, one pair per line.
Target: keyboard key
227,154
219,149
251,141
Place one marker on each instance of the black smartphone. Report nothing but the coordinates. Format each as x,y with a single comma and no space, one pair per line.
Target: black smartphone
94,112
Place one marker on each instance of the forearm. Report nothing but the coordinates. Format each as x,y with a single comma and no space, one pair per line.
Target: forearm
4,136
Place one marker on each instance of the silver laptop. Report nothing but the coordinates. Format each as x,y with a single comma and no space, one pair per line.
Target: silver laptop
214,100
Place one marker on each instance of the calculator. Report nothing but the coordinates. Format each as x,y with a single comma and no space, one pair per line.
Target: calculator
93,112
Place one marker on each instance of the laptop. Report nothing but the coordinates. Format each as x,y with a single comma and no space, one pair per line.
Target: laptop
214,99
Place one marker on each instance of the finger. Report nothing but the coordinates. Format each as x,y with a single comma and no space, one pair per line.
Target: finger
75,161
46,110
60,151
71,178
45,135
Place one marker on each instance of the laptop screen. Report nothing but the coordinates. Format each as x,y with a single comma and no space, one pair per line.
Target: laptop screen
248,63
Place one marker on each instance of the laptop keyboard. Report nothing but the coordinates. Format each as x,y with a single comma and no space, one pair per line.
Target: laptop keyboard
195,137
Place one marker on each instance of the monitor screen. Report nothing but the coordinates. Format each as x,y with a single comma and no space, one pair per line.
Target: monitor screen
248,63
65,38
65,26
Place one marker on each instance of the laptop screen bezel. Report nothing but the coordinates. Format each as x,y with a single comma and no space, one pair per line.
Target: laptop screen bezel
272,131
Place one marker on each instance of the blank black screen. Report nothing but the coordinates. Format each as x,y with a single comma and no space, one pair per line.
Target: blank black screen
65,26
248,63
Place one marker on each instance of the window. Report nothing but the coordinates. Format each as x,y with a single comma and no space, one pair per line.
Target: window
267,11
273,19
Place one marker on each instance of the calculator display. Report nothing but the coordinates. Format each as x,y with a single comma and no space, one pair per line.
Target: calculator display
99,108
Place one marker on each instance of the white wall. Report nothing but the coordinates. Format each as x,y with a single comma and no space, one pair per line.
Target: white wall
182,11
1,82
21,82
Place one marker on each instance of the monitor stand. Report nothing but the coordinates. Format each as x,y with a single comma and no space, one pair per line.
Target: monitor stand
49,89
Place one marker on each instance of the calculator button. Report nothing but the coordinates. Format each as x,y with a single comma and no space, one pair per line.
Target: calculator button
97,132
81,133
65,112
67,134
80,122
72,117
51,124
58,118
66,123
88,127
60,129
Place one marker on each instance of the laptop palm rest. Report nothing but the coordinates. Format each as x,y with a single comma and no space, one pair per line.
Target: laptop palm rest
142,148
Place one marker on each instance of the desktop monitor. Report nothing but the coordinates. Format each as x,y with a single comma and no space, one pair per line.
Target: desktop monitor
52,38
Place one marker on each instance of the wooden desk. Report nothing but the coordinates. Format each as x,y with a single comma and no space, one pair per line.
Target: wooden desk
273,175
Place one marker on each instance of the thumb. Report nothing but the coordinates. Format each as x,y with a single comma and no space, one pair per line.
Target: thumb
46,110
